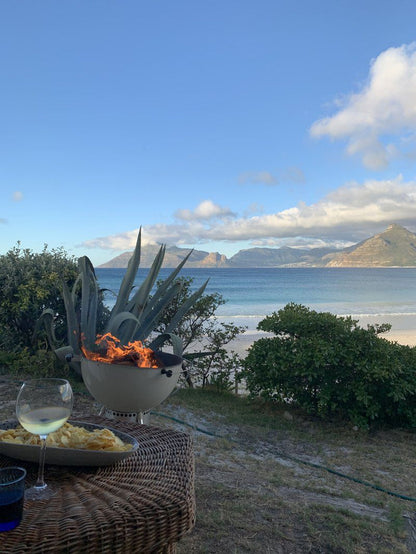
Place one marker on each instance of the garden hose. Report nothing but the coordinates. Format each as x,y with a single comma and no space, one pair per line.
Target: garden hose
293,459
297,460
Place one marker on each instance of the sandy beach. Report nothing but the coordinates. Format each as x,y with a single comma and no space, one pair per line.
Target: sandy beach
403,331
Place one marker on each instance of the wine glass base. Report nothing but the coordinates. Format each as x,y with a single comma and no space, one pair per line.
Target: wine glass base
40,493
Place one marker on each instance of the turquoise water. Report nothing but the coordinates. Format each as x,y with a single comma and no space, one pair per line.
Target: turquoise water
368,294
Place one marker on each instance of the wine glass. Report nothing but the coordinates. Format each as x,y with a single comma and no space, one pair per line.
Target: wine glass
43,406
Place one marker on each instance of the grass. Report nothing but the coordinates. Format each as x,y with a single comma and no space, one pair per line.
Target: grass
263,485
255,494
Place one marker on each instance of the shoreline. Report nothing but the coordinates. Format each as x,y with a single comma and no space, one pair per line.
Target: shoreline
405,336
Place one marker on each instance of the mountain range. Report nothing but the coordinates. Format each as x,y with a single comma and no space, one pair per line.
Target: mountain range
394,247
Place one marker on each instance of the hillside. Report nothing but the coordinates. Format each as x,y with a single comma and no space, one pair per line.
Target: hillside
173,257
279,257
395,247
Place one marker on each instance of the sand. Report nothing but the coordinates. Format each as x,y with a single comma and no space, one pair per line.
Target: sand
405,336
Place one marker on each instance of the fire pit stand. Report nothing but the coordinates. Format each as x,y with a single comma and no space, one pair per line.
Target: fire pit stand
130,417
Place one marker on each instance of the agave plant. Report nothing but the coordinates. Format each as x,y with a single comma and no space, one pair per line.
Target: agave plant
135,316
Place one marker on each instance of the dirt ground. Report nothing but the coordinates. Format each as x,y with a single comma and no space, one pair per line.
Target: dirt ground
253,499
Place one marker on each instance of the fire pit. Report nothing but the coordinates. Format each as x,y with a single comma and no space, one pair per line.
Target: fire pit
115,375
136,378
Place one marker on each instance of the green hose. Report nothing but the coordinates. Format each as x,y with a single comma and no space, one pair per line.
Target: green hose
297,460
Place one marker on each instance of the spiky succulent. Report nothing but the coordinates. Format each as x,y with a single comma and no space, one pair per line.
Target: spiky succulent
133,317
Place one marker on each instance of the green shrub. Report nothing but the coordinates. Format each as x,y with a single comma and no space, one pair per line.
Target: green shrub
331,367
42,363
29,283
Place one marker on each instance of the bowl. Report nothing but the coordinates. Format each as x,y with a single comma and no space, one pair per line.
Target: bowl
127,388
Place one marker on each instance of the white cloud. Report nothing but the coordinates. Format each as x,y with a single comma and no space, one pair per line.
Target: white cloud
253,208
385,107
351,212
206,210
348,214
258,177
171,234
290,174
301,242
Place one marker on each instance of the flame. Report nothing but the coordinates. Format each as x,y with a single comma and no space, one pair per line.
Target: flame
110,351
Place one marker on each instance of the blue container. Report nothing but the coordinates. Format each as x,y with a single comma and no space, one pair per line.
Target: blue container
12,490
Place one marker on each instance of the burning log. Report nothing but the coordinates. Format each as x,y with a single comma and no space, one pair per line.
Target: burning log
111,351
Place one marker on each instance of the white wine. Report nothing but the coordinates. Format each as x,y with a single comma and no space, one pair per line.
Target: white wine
43,421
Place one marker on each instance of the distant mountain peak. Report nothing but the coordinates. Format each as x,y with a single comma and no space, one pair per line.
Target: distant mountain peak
394,247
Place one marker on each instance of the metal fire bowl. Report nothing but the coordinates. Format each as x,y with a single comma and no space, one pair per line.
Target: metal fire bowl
124,388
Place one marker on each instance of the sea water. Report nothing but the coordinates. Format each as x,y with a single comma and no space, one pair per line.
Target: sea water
371,295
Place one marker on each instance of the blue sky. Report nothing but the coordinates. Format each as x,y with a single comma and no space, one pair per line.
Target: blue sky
218,125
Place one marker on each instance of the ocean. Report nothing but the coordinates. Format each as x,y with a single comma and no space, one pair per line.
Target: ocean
371,295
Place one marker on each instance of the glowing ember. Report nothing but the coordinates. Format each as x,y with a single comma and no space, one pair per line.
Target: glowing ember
110,351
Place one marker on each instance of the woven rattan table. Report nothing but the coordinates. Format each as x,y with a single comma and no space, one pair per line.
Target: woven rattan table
143,504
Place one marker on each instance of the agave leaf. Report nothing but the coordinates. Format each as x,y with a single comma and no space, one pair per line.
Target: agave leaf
71,318
176,342
89,301
75,287
140,299
167,282
153,313
115,326
46,320
157,303
85,299
187,305
92,314
64,353
128,279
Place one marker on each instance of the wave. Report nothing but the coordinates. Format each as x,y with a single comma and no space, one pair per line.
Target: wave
343,314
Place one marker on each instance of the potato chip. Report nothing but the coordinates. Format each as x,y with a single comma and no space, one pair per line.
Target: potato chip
70,436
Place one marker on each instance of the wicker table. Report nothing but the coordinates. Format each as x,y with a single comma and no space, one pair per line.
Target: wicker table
143,504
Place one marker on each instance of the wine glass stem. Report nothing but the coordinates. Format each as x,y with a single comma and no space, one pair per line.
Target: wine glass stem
40,483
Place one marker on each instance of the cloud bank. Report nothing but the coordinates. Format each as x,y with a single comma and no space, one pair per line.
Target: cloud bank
382,111
346,215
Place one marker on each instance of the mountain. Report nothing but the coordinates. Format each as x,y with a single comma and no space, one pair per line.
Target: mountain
279,257
173,257
395,247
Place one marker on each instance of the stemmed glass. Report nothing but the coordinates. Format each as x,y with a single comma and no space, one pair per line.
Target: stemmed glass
43,406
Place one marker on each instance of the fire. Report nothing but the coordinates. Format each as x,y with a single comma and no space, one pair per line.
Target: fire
110,351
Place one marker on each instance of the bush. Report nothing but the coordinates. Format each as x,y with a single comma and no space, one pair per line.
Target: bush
204,336
29,283
42,363
329,366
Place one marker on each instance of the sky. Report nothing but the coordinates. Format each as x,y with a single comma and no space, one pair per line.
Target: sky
217,125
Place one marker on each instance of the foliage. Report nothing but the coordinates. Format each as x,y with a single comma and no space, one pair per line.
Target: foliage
29,283
329,366
42,363
204,338
135,316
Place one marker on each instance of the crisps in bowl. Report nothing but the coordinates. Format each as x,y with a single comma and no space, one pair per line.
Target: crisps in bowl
70,436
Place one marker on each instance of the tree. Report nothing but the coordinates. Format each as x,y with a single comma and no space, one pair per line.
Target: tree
207,361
